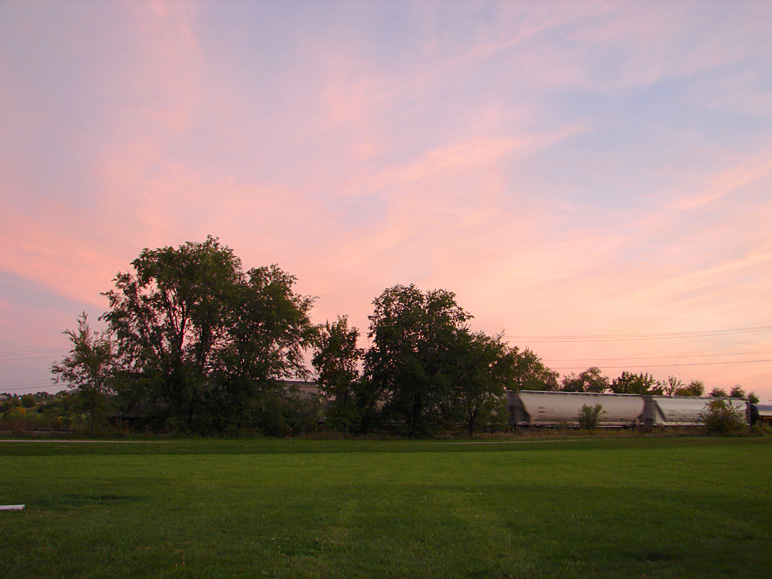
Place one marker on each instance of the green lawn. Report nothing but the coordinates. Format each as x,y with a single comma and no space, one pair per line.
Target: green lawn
633,507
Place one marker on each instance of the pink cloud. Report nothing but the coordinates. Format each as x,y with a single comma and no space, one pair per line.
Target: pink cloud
727,181
356,174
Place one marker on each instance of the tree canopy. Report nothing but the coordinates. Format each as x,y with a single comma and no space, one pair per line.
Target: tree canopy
632,383
530,373
590,380
336,360
194,342
410,363
203,340
89,369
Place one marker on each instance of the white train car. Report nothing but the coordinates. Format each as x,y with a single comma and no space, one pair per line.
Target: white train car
536,408
684,410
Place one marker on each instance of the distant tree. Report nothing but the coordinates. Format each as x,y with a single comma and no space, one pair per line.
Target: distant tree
590,380
738,391
410,363
630,383
717,393
28,401
337,359
530,373
695,388
670,386
88,370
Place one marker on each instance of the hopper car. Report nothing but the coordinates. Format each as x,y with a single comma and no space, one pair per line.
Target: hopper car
537,408
761,413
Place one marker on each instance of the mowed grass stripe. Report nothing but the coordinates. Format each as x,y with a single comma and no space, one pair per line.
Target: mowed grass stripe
605,508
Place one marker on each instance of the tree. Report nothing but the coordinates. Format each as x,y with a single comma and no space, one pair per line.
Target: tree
717,393
589,416
336,360
88,369
630,383
202,338
670,386
695,388
409,364
721,418
738,391
590,380
531,373
484,368
266,334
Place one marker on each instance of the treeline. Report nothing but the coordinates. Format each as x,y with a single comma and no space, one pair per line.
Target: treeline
42,411
195,343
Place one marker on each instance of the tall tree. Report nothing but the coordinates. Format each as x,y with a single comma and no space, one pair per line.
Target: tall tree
410,363
88,369
485,367
530,373
169,316
337,361
198,335
266,334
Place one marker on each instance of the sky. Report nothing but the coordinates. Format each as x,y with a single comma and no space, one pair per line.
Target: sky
591,178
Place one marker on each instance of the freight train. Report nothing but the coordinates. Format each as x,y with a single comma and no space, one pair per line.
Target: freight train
536,408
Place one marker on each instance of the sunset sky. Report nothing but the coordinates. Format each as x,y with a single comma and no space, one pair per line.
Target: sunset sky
573,171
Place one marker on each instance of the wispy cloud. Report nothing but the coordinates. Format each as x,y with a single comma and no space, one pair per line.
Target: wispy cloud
577,167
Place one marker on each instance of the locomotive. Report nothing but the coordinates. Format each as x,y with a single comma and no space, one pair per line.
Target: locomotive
537,408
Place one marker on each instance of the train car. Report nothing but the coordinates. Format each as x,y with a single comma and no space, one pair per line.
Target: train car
684,410
536,408
761,413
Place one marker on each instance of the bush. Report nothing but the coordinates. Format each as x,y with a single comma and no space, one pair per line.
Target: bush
761,429
722,419
589,416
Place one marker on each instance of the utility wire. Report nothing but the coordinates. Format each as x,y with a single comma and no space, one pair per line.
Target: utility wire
49,357
674,365
626,337
4,352
21,355
662,357
39,387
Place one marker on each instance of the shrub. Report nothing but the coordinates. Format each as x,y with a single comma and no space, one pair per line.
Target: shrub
723,419
761,429
589,416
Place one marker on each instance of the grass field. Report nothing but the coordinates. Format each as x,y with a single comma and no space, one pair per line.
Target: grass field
634,507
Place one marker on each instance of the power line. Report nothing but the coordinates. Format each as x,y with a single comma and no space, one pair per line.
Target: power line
650,336
662,357
4,352
38,387
23,355
30,383
20,382
49,357
677,364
